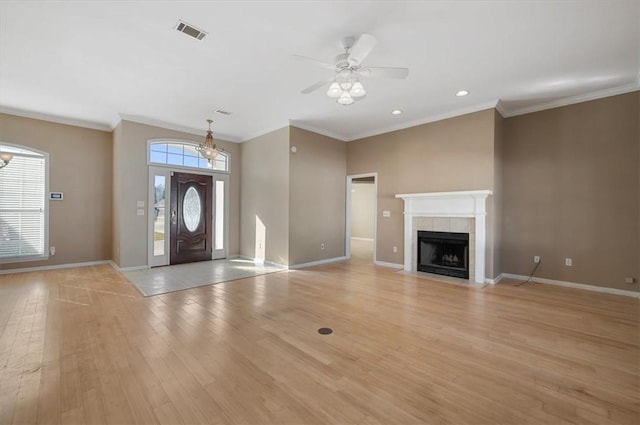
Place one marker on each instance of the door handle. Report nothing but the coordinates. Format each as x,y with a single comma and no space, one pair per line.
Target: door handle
174,217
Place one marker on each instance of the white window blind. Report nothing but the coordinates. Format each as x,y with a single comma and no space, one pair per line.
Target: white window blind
22,205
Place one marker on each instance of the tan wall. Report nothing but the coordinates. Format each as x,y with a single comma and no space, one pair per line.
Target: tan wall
80,167
571,189
448,155
130,162
264,197
317,185
363,197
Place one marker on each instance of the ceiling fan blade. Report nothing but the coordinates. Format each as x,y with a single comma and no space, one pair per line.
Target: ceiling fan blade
315,86
361,49
315,62
384,72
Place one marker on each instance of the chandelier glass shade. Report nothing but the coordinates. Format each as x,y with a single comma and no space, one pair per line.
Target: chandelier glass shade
346,91
208,149
4,159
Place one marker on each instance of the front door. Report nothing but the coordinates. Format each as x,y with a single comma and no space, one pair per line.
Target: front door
190,218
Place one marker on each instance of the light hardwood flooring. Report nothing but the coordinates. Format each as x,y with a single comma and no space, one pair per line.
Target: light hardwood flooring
83,346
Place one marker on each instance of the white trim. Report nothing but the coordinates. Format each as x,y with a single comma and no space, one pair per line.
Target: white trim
347,221
176,127
494,281
614,91
56,266
574,285
426,120
128,269
362,239
317,263
257,261
313,129
56,119
500,108
386,264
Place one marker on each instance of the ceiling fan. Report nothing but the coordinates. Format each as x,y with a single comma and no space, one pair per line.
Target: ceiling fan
345,85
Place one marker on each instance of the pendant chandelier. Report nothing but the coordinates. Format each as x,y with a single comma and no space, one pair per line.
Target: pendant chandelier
5,158
208,149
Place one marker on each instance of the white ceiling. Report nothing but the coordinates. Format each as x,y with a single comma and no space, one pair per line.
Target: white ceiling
97,61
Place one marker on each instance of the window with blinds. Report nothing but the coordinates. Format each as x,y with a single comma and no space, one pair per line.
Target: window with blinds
23,209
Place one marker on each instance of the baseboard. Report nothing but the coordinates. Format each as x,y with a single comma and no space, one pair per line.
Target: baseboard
55,267
584,286
362,239
128,269
386,264
494,281
318,263
258,261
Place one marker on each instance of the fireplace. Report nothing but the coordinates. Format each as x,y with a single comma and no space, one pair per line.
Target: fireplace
443,253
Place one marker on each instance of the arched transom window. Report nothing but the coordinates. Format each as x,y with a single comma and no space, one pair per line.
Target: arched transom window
184,154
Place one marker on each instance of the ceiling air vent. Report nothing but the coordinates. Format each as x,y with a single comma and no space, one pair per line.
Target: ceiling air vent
221,112
190,30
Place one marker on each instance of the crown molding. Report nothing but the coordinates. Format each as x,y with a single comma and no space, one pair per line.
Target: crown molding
565,101
55,118
500,108
428,119
318,130
175,127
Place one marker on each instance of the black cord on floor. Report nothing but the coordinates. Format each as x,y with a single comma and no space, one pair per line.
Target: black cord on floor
530,276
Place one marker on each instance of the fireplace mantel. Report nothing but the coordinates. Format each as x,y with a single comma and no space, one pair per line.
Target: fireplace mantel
469,203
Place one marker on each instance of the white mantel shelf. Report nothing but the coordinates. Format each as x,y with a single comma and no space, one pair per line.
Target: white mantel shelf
467,203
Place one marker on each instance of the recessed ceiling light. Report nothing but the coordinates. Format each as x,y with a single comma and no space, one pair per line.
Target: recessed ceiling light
462,93
396,112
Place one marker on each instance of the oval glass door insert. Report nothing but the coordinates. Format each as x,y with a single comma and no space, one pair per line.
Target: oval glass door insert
191,209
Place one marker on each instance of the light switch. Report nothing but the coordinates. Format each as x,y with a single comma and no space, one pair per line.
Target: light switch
386,213
140,211
140,204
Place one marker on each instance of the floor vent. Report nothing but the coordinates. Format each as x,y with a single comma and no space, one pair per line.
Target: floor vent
190,30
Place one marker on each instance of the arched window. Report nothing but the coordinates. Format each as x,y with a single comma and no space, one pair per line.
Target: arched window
184,154
23,205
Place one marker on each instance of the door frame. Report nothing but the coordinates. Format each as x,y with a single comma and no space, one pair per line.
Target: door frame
347,248
155,169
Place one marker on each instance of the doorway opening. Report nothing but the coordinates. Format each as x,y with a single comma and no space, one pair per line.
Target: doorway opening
361,217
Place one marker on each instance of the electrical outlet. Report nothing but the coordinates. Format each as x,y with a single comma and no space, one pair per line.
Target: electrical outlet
322,246
568,262
536,259
395,249
52,250
629,280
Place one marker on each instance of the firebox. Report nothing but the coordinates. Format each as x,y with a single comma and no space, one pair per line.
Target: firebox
444,253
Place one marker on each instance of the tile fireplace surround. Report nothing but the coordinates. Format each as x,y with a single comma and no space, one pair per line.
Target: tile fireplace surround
463,211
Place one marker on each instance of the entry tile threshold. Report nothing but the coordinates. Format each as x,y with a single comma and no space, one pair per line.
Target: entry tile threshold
161,280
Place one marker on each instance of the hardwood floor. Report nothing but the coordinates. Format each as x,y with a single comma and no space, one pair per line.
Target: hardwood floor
82,346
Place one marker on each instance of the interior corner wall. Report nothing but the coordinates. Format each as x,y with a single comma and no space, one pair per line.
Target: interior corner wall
117,194
264,197
317,185
132,182
498,147
448,155
80,166
571,189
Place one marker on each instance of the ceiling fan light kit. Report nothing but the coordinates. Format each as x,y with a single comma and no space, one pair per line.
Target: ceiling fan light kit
346,86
